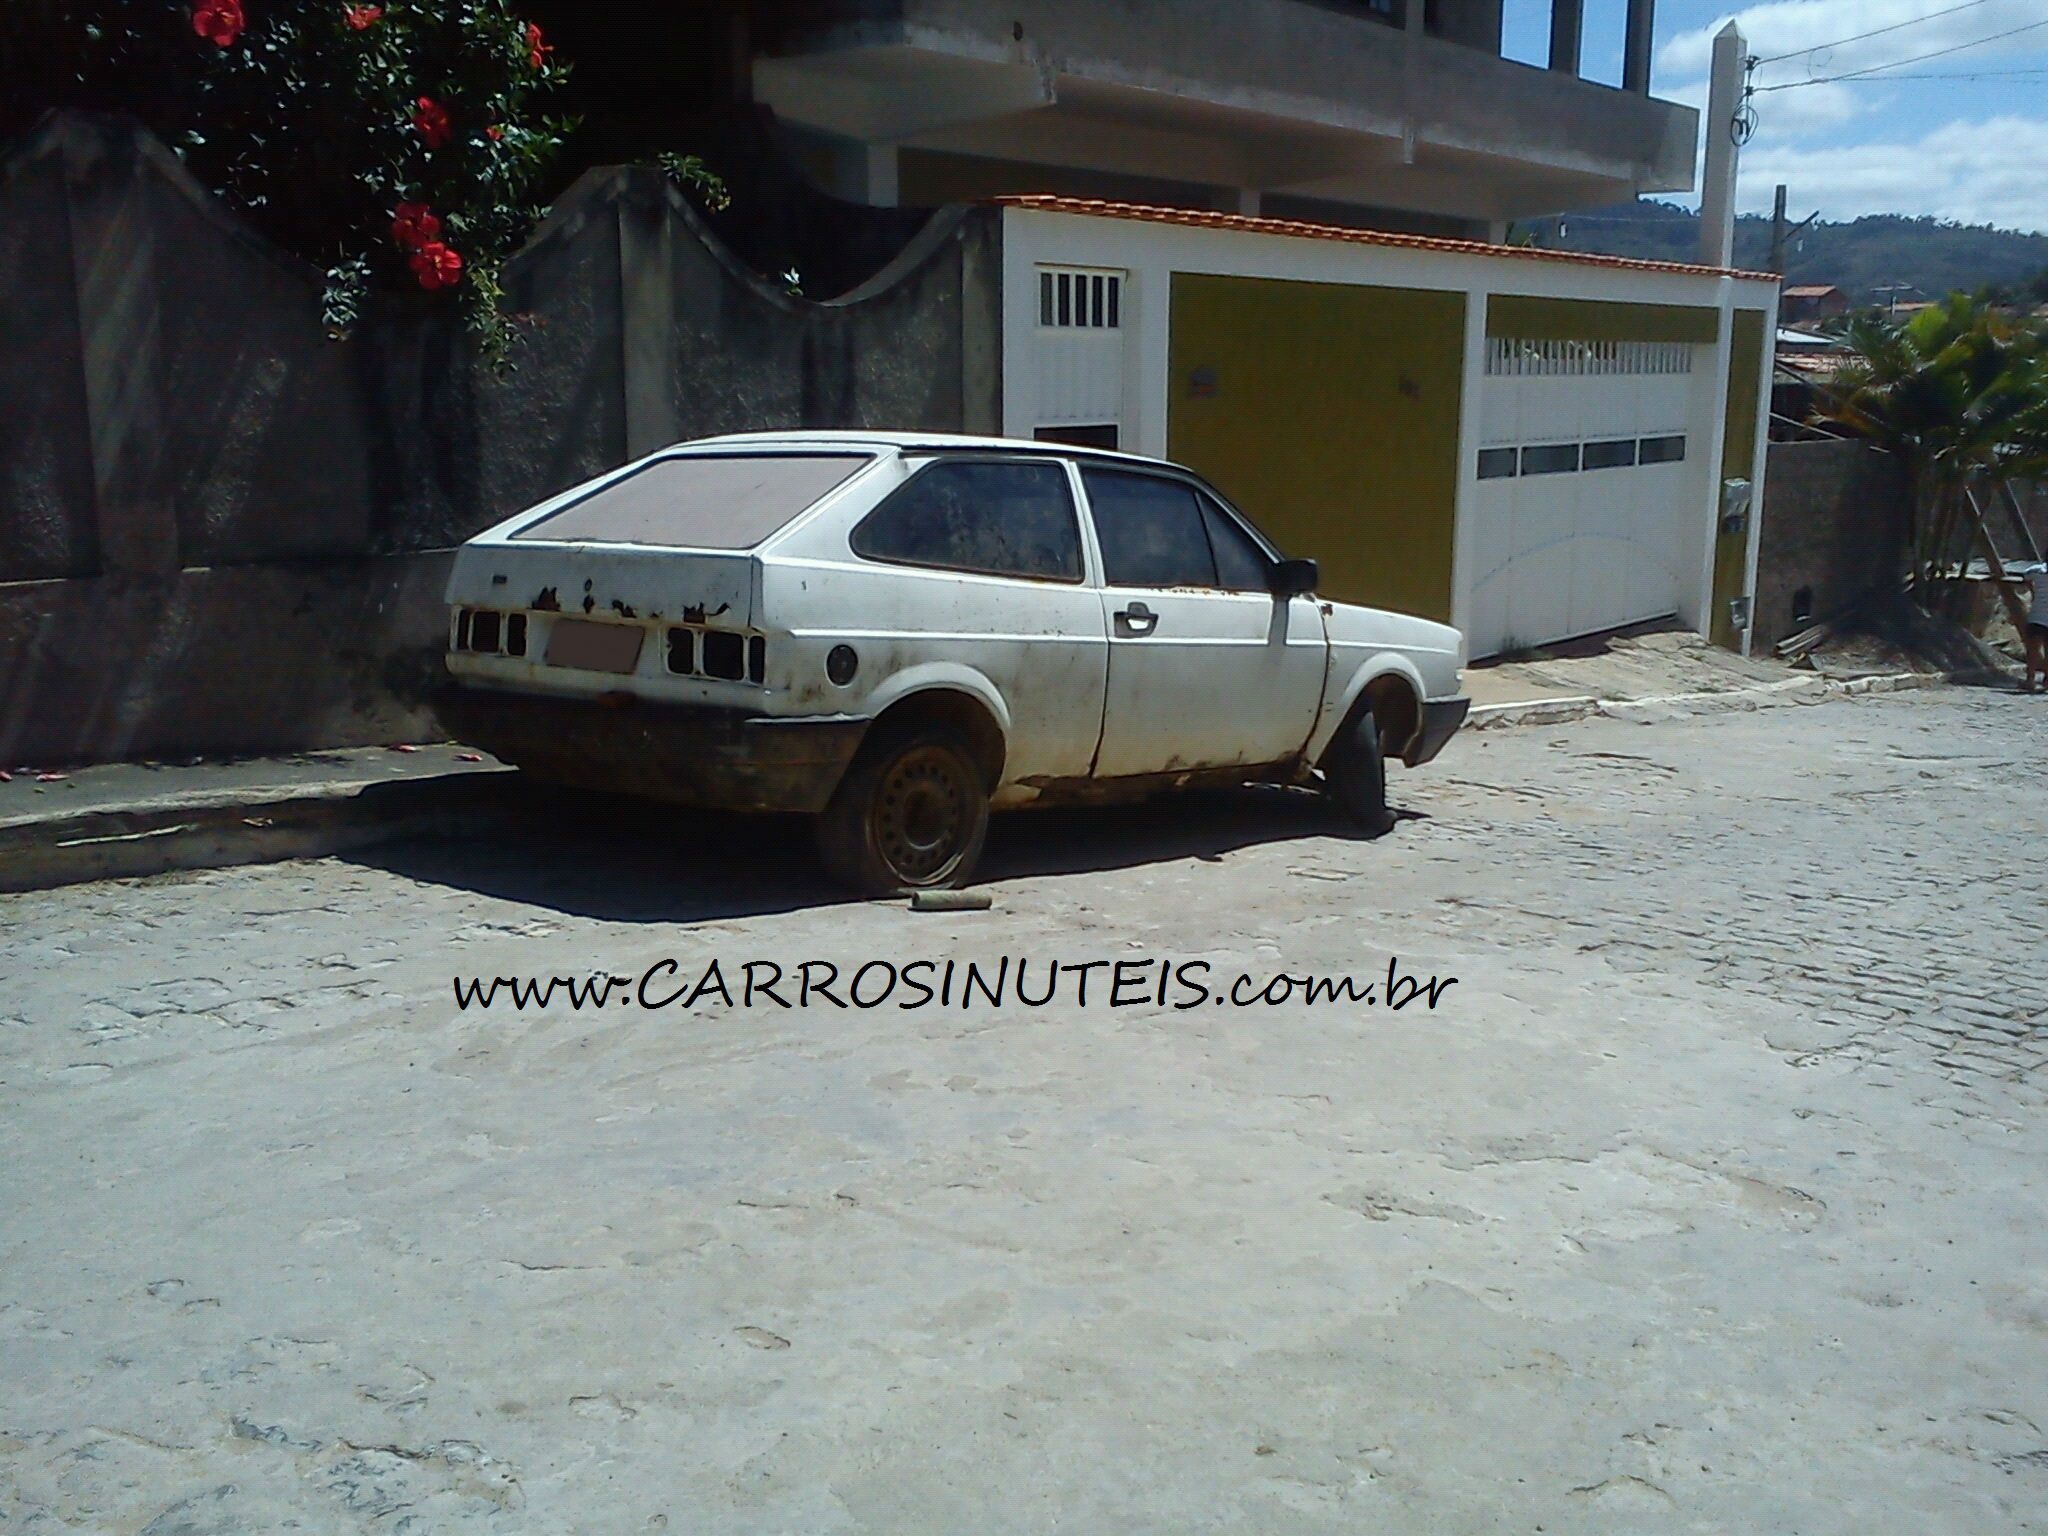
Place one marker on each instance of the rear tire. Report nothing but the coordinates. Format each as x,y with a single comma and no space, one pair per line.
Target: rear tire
1355,775
910,815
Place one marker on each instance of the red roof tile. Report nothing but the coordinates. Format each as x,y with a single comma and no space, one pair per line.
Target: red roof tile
1300,229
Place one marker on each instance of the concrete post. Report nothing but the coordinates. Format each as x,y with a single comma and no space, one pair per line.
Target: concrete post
1636,46
1717,179
647,306
113,270
1567,32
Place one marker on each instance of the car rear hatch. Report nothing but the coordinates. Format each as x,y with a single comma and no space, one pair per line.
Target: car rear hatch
666,543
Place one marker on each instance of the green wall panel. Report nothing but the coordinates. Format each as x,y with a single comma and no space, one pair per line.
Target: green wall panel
1329,413
1533,319
1738,457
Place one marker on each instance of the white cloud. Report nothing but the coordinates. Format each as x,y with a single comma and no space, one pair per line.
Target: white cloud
1791,113
1792,26
1990,172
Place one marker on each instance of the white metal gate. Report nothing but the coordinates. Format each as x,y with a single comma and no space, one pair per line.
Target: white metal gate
1580,508
1080,355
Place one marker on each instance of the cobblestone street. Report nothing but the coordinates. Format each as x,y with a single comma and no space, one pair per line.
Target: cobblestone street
1709,1198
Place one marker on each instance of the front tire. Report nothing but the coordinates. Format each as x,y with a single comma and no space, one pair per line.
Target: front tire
910,815
1355,775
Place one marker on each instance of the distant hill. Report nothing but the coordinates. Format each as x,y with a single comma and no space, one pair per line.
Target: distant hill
1859,257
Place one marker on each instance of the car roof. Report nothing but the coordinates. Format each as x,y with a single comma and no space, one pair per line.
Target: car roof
901,442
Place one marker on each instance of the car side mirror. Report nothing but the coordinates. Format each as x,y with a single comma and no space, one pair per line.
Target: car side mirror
1294,578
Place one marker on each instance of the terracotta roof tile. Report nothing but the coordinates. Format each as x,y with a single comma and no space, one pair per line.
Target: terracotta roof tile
1197,218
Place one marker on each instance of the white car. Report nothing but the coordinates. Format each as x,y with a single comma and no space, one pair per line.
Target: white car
898,632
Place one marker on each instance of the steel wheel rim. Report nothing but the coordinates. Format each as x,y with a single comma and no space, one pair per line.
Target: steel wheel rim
923,814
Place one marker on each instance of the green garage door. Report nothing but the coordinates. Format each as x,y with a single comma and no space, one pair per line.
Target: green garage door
1329,413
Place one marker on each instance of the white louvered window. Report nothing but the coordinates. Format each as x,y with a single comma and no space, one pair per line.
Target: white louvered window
1080,299
1513,357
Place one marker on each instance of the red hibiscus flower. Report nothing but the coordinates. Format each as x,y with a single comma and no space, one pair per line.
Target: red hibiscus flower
537,49
361,18
437,266
220,22
494,133
414,225
430,120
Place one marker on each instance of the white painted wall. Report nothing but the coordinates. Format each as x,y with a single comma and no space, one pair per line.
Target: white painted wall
1152,252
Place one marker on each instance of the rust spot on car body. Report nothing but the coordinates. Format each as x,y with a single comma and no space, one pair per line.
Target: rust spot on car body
546,600
696,614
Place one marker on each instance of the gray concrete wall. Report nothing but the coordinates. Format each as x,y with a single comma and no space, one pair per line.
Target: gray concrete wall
219,530
1834,520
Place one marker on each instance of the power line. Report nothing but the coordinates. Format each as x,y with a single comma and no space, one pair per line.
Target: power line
1878,32
1918,58
1989,74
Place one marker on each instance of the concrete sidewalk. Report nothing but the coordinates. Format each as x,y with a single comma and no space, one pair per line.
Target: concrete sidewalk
131,819
127,819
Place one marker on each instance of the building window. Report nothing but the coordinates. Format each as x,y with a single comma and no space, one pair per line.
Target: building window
1105,436
1496,463
1618,453
1551,459
1515,357
1073,299
1662,450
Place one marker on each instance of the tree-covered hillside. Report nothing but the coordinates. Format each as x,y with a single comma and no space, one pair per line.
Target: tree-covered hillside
1861,257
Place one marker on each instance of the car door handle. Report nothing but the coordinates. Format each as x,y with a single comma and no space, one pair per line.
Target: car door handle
1136,620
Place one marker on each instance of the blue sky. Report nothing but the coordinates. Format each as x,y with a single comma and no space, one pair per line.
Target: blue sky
1971,149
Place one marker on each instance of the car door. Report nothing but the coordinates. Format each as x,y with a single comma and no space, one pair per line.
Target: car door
1208,668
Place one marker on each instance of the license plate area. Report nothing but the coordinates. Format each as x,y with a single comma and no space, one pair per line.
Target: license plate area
592,647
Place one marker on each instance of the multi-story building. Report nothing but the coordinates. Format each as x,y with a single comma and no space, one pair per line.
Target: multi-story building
1393,113
1398,114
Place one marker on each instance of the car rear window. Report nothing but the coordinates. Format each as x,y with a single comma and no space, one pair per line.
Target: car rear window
700,501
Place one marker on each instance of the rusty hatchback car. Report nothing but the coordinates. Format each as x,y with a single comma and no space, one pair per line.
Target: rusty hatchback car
898,633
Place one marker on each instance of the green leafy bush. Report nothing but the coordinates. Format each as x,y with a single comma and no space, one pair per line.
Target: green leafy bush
402,142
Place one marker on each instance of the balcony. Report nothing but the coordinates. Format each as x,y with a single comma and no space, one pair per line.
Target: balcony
1345,102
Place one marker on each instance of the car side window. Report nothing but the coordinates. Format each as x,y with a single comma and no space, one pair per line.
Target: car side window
992,518
1150,529
1241,566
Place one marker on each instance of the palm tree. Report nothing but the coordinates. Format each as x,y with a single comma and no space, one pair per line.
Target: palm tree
1960,395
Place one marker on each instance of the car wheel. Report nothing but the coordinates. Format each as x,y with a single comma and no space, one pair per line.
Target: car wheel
1355,775
910,815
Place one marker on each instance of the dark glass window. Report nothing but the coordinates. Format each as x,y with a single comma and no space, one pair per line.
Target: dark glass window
1662,450
1616,454
1079,437
995,519
1241,566
1550,459
1150,529
1496,463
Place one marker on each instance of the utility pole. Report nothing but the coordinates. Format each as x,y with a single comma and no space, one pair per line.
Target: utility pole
1717,177
1781,235
1892,292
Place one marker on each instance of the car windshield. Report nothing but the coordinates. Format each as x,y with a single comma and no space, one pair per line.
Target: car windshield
700,501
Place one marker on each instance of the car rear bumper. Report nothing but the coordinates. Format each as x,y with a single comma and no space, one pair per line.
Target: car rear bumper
1440,721
688,754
